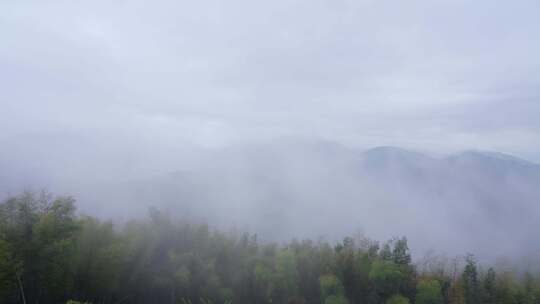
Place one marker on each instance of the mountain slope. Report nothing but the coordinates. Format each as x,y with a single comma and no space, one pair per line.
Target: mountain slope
482,202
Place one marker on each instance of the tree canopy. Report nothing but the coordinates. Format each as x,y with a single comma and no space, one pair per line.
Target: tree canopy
50,254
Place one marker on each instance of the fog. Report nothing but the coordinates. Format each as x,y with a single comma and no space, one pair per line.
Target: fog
263,116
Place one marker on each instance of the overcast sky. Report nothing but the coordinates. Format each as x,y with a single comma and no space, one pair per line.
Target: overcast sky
116,80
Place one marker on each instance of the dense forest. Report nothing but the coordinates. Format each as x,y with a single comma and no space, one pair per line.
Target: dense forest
51,254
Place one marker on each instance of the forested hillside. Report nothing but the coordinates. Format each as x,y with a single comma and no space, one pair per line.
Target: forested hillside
50,254
286,189
270,152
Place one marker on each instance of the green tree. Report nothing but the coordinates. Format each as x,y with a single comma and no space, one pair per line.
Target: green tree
387,277
428,292
400,253
386,252
397,299
334,299
286,276
54,237
99,260
40,231
7,286
332,291
471,292
490,288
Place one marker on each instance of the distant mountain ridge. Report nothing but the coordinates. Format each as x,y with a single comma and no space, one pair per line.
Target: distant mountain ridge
482,202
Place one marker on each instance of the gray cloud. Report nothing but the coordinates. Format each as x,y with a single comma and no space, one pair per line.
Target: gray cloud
437,75
97,93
